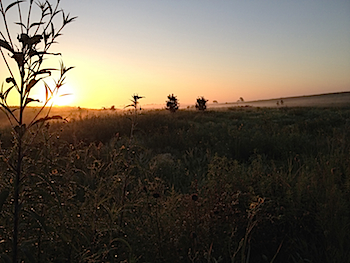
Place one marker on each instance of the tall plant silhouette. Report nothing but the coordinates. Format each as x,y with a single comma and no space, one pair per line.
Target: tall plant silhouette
135,105
35,37
201,104
172,103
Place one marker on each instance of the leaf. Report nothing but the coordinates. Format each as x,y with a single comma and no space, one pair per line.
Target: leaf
10,79
52,29
3,196
29,100
47,89
66,94
131,105
39,219
45,53
36,24
49,6
6,93
67,20
6,45
19,57
21,24
35,39
56,117
45,71
46,37
68,69
31,84
23,38
12,4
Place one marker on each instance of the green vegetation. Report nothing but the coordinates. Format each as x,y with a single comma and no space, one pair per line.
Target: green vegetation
241,185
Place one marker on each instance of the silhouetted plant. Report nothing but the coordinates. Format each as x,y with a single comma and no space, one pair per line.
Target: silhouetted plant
172,104
201,104
34,41
135,104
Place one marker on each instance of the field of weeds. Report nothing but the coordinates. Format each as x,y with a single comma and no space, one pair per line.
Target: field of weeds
240,185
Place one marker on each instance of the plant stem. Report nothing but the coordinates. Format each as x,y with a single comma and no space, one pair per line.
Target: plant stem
16,202
17,181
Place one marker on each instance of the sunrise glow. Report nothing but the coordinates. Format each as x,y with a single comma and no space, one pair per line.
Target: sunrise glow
222,51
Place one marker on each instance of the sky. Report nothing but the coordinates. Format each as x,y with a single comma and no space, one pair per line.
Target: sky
222,50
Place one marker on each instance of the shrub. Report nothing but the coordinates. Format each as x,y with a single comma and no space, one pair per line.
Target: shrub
201,104
172,104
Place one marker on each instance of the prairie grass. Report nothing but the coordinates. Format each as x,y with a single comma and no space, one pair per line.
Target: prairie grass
241,185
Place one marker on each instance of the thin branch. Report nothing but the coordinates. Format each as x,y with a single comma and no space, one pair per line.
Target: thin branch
8,67
29,14
53,14
5,22
20,16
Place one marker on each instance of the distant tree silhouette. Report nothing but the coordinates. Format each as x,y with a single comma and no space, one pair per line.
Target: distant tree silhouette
241,99
201,104
172,104
215,101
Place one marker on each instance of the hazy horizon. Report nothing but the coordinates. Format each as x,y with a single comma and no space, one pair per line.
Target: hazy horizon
220,50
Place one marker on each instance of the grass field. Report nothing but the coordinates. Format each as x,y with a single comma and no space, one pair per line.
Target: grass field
240,184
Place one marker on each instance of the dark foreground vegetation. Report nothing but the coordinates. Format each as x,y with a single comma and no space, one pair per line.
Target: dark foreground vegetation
241,185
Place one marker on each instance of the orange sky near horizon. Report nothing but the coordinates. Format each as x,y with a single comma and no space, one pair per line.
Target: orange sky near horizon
219,50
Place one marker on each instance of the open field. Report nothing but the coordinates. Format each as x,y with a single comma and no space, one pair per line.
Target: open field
340,99
244,184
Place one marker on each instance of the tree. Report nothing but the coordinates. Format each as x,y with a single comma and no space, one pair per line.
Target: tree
201,104
172,104
29,52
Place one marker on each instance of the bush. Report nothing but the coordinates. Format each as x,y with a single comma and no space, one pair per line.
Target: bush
201,104
172,104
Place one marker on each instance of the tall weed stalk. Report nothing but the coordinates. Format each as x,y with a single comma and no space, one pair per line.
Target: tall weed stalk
35,37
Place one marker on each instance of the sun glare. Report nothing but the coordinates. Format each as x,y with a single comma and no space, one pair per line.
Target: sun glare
65,96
